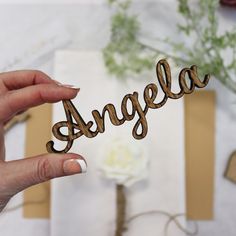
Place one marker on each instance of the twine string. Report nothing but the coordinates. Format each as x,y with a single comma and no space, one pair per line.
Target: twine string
171,218
178,224
122,223
121,209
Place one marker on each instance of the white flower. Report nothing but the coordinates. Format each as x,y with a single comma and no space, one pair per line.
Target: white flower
125,162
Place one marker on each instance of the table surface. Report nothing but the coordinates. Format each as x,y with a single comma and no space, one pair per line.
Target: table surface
85,23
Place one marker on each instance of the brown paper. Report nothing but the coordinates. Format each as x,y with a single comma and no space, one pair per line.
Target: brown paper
38,132
199,145
230,172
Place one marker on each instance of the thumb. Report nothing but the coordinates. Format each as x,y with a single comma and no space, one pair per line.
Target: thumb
24,173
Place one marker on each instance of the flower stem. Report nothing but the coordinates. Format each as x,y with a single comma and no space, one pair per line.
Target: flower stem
120,209
164,53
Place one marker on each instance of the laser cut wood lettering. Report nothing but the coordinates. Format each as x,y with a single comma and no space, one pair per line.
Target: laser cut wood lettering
81,127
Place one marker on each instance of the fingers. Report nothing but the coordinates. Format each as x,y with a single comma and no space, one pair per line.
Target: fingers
20,79
2,145
23,173
15,101
20,90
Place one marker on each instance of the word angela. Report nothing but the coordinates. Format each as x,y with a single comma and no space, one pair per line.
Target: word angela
150,93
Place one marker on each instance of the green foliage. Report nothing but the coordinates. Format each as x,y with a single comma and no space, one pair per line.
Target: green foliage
125,55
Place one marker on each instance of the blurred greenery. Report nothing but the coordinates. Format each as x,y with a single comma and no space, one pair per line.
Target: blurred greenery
125,55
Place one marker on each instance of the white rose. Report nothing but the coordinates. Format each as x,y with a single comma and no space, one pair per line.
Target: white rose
125,162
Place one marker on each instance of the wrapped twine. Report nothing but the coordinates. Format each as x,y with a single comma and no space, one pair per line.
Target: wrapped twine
120,210
122,223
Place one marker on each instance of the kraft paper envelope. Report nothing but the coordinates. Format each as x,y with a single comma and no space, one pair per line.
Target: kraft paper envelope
200,146
38,132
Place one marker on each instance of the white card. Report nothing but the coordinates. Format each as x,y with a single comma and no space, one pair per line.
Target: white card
85,204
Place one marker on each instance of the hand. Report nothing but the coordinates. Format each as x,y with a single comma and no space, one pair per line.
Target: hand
19,91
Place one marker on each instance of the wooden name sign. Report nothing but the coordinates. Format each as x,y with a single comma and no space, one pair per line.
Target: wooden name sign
150,93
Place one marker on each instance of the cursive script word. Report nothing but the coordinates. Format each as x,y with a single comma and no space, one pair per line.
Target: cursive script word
141,127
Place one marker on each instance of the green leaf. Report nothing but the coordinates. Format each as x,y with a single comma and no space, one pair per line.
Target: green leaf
125,55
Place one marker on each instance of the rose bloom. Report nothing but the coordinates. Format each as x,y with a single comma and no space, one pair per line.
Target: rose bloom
125,162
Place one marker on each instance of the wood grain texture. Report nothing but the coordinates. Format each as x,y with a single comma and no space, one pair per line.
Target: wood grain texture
187,85
37,133
200,152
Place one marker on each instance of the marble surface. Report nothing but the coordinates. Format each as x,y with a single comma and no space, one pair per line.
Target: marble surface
88,27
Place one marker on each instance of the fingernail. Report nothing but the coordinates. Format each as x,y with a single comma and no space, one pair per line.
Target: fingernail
69,86
82,164
74,166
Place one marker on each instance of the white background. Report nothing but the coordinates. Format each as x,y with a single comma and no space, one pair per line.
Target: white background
14,18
